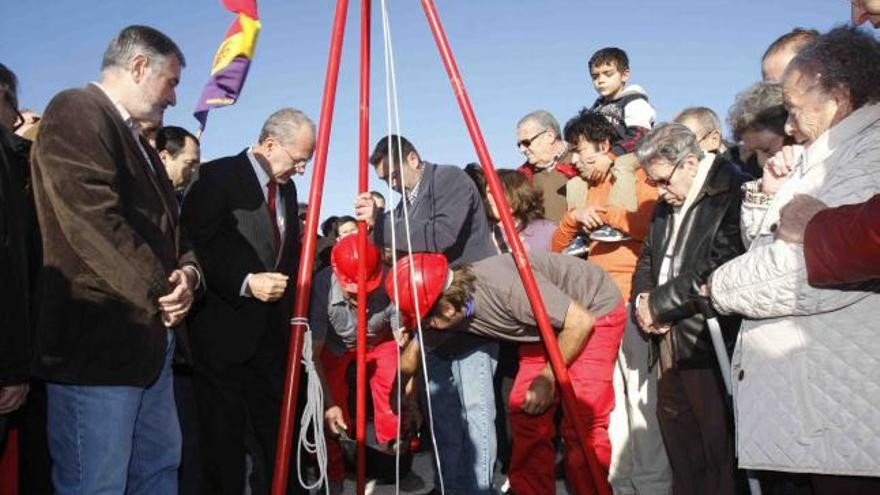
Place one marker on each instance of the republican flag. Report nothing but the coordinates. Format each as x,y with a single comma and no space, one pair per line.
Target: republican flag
232,60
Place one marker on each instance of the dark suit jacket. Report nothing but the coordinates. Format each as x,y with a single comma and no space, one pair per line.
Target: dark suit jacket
447,216
18,257
110,239
226,217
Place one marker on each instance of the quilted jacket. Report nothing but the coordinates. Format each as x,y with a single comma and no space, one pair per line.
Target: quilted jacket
806,366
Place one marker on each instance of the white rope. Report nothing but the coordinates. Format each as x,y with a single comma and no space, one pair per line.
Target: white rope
313,415
391,101
396,319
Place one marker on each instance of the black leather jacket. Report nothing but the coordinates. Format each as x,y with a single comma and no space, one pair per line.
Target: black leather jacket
709,236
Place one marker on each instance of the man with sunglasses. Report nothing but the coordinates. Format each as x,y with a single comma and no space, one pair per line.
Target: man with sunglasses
241,216
548,166
695,229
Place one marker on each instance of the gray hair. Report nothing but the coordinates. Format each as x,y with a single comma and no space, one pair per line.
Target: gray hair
284,125
705,117
758,108
846,58
144,40
668,141
544,119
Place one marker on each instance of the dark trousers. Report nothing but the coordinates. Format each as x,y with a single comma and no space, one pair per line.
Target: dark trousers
238,403
189,476
780,483
695,424
35,476
844,485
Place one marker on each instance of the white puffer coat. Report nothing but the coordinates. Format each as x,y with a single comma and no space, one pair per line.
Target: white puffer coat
806,368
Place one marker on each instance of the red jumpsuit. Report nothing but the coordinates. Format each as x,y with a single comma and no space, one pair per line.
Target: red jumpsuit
534,450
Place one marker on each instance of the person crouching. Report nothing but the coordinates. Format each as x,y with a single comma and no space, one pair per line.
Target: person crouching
588,315
333,321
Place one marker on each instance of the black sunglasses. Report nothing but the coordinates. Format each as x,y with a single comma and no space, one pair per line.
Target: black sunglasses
528,142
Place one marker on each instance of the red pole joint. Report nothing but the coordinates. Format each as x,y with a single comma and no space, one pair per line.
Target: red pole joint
307,256
569,400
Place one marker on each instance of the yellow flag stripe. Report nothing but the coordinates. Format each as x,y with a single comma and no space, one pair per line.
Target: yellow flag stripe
241,43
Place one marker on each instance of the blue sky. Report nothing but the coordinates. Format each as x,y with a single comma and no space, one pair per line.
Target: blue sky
515,56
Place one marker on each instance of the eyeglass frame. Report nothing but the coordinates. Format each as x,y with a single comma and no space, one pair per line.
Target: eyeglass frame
707,134
664,183
294,160
527,143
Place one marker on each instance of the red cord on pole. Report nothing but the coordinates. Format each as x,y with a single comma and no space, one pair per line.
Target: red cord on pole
306,260
522,262
363,180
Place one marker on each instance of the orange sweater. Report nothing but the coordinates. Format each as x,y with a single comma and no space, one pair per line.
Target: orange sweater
617,258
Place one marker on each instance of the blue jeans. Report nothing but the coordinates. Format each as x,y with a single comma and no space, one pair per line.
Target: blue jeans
463,402
115,439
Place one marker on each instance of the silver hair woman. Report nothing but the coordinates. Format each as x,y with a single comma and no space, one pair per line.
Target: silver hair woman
757,119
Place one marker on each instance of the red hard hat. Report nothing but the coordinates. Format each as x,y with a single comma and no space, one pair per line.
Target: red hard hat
431,271
344,260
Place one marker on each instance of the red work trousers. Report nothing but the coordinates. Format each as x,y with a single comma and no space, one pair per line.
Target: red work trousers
381,372
534,453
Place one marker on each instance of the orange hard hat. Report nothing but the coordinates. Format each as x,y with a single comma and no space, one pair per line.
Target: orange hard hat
431,272
344,260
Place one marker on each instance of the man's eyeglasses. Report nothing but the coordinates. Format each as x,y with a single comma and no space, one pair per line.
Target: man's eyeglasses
705,136
528,142
294,160
663,182
19,118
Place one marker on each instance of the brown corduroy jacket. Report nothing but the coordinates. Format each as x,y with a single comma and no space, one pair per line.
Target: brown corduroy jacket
111,237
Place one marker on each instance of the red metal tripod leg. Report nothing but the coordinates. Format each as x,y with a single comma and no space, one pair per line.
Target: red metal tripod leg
364,116
304,275
522,263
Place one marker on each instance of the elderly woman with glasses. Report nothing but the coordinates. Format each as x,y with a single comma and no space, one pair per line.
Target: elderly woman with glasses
694,230
806,385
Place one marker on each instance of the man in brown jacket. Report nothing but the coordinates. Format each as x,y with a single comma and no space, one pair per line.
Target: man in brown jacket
116,278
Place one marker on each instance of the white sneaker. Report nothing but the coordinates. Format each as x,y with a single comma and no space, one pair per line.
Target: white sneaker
370,487
606,233
505,488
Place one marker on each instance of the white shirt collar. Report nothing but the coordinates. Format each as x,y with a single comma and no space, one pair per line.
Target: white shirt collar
262,176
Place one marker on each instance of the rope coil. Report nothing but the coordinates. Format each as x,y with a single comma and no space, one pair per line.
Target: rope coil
313,415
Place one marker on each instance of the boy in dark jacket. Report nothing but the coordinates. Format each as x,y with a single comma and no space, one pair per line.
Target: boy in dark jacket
626,107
